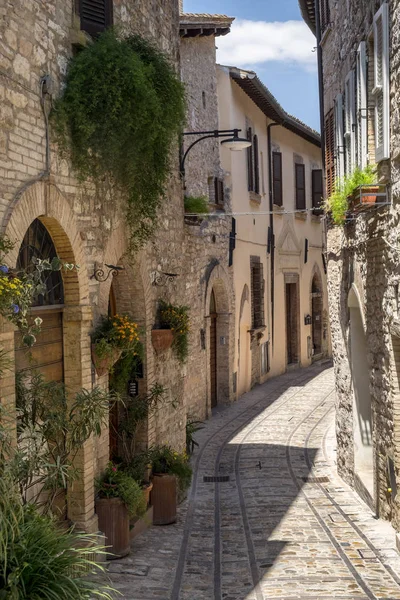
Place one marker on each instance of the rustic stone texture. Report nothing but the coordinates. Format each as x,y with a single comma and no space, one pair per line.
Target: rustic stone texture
88,228
360,256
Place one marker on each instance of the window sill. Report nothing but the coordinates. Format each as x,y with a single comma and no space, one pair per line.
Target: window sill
257,332
301,216
325,36
277,208
216,207
316,219
78,37
254,197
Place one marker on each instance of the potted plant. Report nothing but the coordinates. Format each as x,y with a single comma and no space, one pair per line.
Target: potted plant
162,339
349,193
171,473
176,319
119,498
113,337
195,207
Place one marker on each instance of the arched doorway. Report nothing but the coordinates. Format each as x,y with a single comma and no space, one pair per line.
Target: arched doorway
47,354
213,350
362,408
316,314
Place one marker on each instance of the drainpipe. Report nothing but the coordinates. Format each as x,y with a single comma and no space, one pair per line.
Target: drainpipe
320,81
271,221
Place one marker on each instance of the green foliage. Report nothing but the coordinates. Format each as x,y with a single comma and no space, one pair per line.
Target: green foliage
177,319
191,427
121,111
166,460
337,204
196,205
51,429
116,483
118,332
38,560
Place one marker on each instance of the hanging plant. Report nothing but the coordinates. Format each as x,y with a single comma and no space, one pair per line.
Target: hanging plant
338,202
121,111
177,319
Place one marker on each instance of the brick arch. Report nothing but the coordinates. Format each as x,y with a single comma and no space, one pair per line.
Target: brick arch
219,282
45,202
245,298
316,272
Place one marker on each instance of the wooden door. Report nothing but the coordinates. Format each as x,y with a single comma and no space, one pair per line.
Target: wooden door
213,351
291,323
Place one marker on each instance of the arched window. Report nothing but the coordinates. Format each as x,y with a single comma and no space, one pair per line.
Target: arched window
37,244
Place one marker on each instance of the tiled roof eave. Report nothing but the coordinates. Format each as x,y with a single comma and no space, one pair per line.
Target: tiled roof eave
203,24
307,9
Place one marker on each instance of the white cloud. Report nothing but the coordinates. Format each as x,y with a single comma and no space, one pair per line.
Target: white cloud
252,43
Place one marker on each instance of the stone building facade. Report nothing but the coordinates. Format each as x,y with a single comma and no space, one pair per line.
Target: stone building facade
40,194
359,55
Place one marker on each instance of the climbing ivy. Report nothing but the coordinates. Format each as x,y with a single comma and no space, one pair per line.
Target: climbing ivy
122,109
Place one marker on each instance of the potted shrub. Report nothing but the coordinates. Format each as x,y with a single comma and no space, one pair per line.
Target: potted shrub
349,193
195,207
171,473
113,337
119,497
176,319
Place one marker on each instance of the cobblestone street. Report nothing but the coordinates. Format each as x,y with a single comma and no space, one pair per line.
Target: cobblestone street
281,524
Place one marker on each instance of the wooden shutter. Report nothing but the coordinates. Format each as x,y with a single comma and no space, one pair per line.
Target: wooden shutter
300,186
381,83
339,137
96,15
317,188
277,178
362,134
350,123
250,162
257,291
329,153
256,165
324,14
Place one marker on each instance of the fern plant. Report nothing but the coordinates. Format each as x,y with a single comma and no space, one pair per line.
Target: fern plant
337,204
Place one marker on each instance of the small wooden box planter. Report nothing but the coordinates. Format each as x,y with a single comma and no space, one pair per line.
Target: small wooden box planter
104,364
114,523
164,498
161,339
366,196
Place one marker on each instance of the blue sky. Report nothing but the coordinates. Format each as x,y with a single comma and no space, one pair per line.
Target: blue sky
271,39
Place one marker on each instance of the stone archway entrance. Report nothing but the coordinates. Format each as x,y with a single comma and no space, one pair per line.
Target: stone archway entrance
362,406
316,315
47,354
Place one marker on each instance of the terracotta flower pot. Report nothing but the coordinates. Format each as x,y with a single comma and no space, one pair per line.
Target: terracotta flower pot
104,364
163,498
162,339
363,197
114,523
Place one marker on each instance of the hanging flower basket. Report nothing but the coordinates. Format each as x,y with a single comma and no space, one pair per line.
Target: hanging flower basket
161,339
105,363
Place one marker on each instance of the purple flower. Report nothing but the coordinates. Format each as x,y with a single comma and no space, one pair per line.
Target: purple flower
3,269
15,308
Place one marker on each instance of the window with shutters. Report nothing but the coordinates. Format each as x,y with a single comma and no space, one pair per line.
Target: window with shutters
350,123
257,292
96,15
218,191
277,178
300,186
253,163
361,94
339,138
381,83
317,189
325,15
329,153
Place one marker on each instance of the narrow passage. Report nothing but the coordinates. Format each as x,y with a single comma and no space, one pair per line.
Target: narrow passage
280,524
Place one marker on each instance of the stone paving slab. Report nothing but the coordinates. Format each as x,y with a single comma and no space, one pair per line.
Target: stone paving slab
275,530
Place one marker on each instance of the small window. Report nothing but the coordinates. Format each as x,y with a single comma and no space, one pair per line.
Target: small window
203,97
96,15
219,191
257,292
300,181
317,188
264,348
253,163
277,178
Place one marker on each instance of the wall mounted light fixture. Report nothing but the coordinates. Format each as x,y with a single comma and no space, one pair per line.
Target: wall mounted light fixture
100,275
307,320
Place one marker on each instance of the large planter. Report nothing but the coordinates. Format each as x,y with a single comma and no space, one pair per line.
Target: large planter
161,339
364,197
163,498
104,364
114,523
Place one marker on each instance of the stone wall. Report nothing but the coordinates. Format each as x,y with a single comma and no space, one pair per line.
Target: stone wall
88,229
363,263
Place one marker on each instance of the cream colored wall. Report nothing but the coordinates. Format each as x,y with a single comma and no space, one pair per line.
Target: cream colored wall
252,231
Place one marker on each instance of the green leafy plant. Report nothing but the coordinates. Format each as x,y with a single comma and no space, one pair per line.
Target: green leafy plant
116,483
338,204
20,288
166,460
177,319
40,561
196,205
51,429
121,127
192,426
119,332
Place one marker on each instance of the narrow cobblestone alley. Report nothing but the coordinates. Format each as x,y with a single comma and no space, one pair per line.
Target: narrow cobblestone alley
280,524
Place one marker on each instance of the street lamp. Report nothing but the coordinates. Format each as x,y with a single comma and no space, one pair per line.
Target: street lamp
233,142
